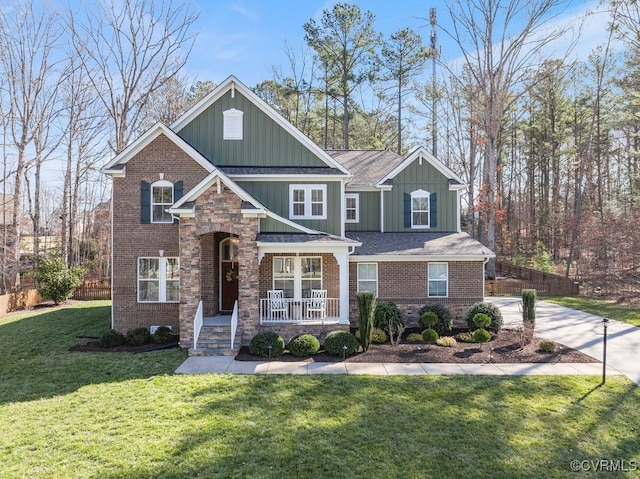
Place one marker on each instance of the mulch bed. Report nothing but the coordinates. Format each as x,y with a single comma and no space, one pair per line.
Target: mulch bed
505,347
94,346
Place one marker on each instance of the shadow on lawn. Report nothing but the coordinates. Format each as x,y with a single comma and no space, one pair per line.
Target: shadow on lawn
35,361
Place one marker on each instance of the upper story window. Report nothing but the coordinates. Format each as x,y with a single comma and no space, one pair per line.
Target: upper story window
420,209
308,202
161,200
352,207
232,124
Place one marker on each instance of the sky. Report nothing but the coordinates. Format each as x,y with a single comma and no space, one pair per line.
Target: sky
246,38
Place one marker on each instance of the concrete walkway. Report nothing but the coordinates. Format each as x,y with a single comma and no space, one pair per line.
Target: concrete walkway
572,328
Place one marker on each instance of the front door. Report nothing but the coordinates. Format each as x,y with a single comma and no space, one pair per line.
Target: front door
228,273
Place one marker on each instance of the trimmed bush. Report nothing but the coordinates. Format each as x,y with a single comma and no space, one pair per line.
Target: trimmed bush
303,345
428,319
465,337
112,338
387,313
138,336
481,335
446,341
481,321
378,336
547,347
490,310
430,335
414,338
366,309
335,340
162,335
445,321
260,343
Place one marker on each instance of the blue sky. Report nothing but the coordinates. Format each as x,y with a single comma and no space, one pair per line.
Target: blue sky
246,38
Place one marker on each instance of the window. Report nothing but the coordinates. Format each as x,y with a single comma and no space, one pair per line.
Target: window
232,124
420,209
297,276
438,280
352,207
161,200
158,280
368,278
307,201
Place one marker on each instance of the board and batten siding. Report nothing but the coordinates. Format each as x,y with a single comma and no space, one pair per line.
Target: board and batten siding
369,212
274,195
414,177
264,143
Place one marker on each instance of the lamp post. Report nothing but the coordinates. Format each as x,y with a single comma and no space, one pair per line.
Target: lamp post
605,324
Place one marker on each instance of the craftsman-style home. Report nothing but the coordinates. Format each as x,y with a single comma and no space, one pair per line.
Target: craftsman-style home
231,221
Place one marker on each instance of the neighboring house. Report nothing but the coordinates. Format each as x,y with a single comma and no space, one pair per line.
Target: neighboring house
231,203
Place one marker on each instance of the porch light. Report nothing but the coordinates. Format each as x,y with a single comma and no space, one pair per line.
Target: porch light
344,352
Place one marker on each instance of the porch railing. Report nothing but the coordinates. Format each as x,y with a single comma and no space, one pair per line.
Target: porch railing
197,325
234,323
300,311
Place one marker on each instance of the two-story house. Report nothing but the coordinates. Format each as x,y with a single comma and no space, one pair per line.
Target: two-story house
232,217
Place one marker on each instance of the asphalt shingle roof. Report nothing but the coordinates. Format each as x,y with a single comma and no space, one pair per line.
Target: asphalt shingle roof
320,239
368,167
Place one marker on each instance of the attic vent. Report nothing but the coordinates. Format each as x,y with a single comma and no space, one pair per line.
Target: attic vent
232,125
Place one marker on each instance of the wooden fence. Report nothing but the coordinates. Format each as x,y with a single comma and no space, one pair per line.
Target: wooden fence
93,290
516,278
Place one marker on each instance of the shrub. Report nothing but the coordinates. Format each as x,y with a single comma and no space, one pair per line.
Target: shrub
366,309
260,343
138,336
481,335
481,320
389,318
447,341
162,335
304,345
465,337
111,339
428,319
490,310
414,338
529,304
445,321
335,340
54,279
547,347
430,335
378,336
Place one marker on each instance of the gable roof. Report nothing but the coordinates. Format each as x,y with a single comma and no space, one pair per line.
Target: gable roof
117,166
366,166
233,84
422,154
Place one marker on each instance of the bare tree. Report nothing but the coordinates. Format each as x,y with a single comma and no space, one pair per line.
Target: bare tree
129,51
500,40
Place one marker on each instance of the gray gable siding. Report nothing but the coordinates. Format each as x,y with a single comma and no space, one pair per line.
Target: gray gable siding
274,195
428,178
369,212
264,143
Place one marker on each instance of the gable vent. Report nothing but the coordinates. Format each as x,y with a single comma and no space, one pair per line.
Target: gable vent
232,124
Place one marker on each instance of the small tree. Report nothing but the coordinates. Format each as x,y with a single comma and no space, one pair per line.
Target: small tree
529,305
366,308
55,280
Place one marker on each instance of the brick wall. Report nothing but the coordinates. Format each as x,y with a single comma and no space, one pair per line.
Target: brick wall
131,239
330,273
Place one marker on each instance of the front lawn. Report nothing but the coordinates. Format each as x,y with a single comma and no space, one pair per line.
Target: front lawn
599,307
109,415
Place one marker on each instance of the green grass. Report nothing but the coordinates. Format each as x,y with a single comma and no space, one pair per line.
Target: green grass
104,415
599,307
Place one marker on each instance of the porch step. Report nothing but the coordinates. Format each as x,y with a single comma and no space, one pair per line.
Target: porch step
216,341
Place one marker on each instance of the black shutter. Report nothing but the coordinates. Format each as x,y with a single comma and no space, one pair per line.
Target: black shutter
177,194
407,210
433,210
145,202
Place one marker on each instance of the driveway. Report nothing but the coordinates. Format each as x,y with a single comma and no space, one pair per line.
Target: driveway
581,331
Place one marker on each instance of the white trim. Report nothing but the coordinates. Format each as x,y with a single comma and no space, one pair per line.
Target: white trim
233,83
160,184
358,277
446,294
287,176
382,211
145,139
302,248
421,153
162,278
395,258
355,196
297,273
421,194
308,201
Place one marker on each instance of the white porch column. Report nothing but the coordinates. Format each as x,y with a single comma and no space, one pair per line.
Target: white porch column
343,263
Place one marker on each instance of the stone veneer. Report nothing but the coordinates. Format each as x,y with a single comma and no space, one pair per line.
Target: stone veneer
218,212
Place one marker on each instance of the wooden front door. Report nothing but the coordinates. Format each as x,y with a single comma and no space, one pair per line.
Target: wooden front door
228,274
